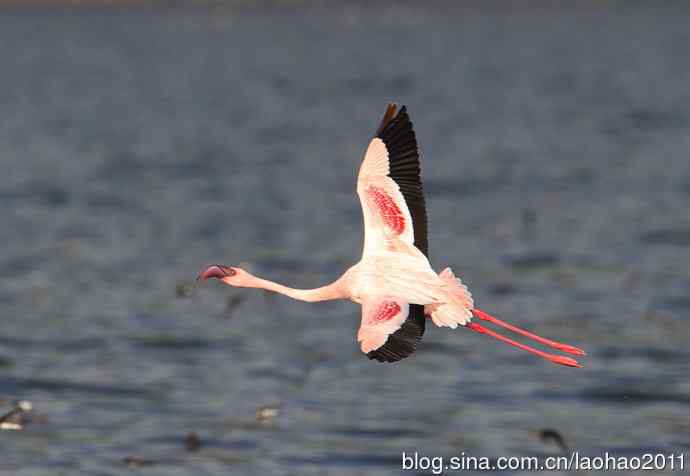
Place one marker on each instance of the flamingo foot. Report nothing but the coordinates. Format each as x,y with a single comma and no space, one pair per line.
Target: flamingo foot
570,349
556,359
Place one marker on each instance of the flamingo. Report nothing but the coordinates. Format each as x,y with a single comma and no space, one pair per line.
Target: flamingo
393,281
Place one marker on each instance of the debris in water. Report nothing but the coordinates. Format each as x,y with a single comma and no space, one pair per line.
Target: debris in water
547,435
266,414
529,219
192,442
134,462
184,289
232,303
16,419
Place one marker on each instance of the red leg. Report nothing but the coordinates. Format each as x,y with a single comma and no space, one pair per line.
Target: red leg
556,345
556,359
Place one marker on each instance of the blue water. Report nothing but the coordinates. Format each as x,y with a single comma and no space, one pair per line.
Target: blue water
138,145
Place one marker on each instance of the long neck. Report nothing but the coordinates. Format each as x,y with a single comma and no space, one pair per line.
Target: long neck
325,293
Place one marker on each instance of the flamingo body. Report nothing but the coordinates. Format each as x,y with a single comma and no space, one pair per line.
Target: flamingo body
394,281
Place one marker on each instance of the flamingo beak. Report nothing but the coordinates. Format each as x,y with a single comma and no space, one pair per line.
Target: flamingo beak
216,271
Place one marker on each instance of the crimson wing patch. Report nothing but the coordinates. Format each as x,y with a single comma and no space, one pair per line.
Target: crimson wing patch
397,134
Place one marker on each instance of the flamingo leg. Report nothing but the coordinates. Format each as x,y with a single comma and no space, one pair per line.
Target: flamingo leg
556,345
556,359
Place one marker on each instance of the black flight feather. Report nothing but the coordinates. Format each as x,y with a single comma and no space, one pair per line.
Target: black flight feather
397,134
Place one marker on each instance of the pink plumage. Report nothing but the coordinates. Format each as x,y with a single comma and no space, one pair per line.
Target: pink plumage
394,282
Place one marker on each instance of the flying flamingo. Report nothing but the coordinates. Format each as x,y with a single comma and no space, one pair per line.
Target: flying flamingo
394,281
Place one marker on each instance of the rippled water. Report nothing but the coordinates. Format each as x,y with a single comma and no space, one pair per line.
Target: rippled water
139,145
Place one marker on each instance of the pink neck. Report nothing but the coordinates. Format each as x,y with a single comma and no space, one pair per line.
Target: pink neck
324,293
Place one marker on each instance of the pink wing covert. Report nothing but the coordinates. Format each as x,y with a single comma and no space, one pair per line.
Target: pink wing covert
386,215
390,190
380,318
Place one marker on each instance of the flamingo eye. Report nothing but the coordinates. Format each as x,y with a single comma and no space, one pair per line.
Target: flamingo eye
230,271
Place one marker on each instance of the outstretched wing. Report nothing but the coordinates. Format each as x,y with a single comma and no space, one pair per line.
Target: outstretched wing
389,186
384,329
390,191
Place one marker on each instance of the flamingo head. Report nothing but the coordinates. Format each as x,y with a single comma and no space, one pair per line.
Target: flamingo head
231,275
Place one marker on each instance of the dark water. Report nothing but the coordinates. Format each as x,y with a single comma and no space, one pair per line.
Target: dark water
139,145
